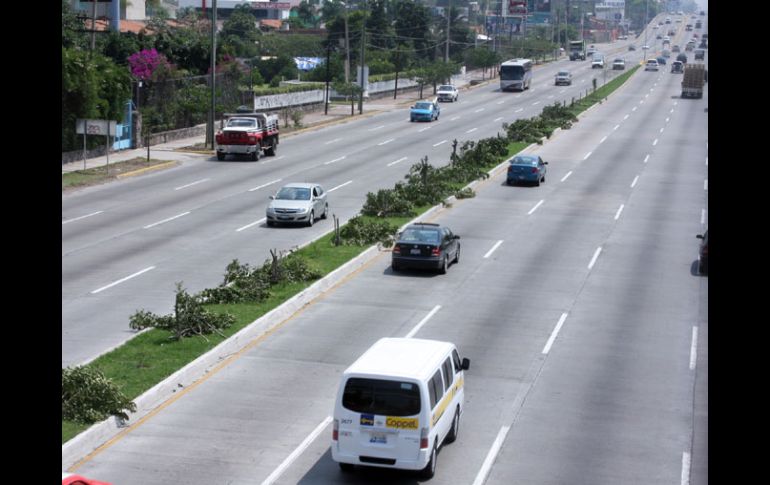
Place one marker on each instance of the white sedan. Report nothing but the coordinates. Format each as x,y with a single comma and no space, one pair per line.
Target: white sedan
448,92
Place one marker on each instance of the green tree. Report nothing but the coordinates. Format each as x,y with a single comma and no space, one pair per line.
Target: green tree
306,13
239,32
413,23
87,396
71,27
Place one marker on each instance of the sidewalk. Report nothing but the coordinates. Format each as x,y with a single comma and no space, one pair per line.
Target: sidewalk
338,113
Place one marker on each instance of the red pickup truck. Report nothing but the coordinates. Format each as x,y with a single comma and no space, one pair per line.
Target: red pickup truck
248,134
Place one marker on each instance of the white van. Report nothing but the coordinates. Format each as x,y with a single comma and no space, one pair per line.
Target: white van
397,404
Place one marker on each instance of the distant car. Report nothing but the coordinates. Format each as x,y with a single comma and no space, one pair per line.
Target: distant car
682,58
677,67
695,35
703,44
675,48
623,37
597,62
618,65
672,32
658,36
632,47
526,168
448,92
700,54
563,77
72,479
661,60
297,203
652,65
424,245
666,39
424,111
703,253
645,47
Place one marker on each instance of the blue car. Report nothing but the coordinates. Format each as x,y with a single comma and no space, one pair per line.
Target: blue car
424,111
526,168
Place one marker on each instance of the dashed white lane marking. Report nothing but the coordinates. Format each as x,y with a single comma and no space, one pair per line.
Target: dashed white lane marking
634,108
397,161
556,329
471,130
489,253
339,186
707,161
616,127
81,217
626,117
536,102
634,182
252,224
685,468
335,160
423,129
376,128
298,451
386,142
491,456
123,279
520,110
587,155
703,216
565,177
646,158
479,110
655,142
620,209
596,255
274,159
667,118
422,322
498,119
440,143
455,118
166,220
661,130
535,208
694,348
501,102
191,184
264,185
672,110
332,141
706,184
603,140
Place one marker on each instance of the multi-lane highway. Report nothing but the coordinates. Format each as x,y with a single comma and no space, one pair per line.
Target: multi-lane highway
577,302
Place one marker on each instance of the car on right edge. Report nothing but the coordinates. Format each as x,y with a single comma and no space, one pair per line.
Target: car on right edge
703,253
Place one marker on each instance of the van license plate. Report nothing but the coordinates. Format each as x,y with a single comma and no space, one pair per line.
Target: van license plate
378,438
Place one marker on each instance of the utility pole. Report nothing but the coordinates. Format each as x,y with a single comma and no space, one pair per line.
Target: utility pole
363,45
326,92
448,13
347,46
210,131
93,25
566,28
646,24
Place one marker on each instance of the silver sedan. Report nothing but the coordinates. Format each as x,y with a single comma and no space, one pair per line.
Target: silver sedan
297,203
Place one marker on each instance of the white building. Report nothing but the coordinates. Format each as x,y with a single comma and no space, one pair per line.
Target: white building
611,10
263,9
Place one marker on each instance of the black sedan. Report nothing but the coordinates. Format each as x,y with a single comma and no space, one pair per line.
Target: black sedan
703,253
425,245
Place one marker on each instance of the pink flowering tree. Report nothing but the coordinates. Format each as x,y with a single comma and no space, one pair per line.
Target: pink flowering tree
146,64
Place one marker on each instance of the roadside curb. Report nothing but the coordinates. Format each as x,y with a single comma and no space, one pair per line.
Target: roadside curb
148,169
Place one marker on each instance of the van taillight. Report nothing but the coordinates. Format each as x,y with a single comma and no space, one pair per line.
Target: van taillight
423,438
336,430
436,251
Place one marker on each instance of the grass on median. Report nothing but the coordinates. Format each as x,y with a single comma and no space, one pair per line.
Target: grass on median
105,173
150,357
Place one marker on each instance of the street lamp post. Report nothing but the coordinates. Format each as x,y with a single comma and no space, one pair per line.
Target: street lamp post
646,27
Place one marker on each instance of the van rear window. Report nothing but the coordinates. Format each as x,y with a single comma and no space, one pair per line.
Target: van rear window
380,396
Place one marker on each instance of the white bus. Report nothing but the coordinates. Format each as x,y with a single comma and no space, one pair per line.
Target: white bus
516,74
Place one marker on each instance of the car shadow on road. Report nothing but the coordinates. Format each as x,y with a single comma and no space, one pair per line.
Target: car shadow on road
326,471
412,272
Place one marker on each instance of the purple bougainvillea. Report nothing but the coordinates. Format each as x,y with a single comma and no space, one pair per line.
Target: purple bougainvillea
145,63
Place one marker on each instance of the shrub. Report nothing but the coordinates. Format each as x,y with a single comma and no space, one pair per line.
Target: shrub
387,203
361,232
87,396
242,284
466,193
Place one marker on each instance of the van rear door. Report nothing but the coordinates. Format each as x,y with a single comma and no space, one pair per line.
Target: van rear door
380,418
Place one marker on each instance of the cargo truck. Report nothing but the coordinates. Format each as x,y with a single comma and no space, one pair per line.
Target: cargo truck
693,80
577,50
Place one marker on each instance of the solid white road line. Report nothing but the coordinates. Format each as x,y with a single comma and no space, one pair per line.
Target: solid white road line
264,185
498,119
423,129
166,220
587,155
620,209
646,158
596,255
634,182
603,140
440,143
556,329
81,217
422,322
694,348
471,130
335,160
191,184
685,468
397,161
565,177
332,141
536,206
252,224
655,142
385,142
341,185
491,456
497,244
703,216
122,280
295,454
